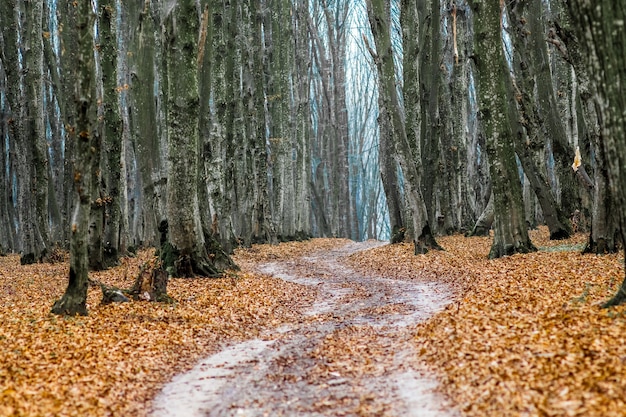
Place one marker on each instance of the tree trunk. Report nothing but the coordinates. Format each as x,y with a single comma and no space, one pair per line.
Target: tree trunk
301,119
74,301
485,221
530,126
600,30
604,226
378,13
24,92
186,248
9,79
113,244
36,133
510,230
146,122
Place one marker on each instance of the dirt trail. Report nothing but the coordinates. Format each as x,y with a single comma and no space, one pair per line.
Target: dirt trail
351,355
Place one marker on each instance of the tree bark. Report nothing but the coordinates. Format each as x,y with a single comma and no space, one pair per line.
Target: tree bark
378,13
604,225
485,221
74,301
23,67
113,243
148,123
602,36
186,248
529,59
510,230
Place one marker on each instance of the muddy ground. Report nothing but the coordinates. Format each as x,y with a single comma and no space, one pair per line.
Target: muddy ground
351,354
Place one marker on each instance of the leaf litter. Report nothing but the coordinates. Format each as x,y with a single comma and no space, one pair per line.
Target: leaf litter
114,361
523,337
351,355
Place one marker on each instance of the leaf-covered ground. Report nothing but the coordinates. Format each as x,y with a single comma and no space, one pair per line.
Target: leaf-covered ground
115,360
525,336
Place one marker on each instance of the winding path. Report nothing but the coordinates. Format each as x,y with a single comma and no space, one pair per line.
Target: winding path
353,355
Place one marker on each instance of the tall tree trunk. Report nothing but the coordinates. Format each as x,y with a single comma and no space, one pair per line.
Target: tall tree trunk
186,239
113,243
24,72
604,224
530,138
9,79
34,81
259,218
511,234
378,13
74,301
602,35
146,123
61,68
301,119
457,213
430,97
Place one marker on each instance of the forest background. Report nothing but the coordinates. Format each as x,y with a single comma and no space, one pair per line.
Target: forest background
199,126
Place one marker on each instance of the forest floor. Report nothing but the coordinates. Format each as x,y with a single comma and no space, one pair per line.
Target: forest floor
517,336
352,352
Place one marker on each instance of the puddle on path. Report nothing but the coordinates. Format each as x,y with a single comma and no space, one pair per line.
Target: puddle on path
272,377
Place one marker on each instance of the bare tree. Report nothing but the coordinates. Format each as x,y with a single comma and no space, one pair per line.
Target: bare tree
392,119
83,134
511,234
600,30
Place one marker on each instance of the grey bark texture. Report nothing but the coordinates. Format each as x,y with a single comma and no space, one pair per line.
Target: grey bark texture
510,230
599,27
389,108
74,301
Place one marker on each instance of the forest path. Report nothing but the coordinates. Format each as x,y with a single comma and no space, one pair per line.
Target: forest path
352,353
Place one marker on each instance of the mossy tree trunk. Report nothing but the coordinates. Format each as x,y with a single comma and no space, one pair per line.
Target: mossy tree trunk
23,67
283,138
186,239
8,76
600,29
300,117
529,62
112,239
105,216
74,301
510,230
390,109
36,131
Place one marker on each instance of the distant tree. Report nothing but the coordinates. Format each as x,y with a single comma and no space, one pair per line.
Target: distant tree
333,203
